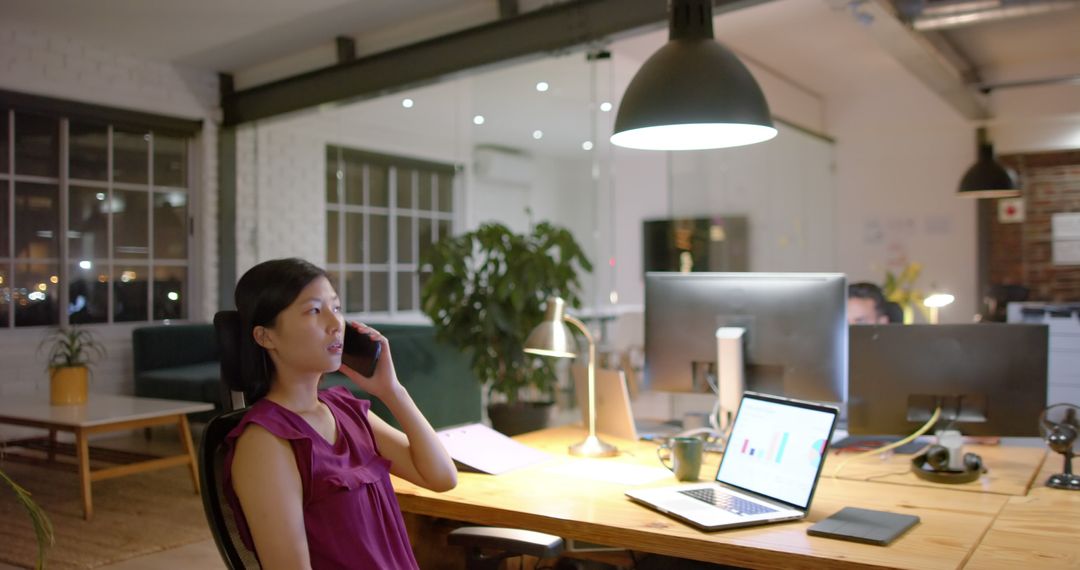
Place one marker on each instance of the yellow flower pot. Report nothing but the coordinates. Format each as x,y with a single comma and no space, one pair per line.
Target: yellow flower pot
67,385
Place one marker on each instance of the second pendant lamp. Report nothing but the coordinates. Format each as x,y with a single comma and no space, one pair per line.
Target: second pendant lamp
987,178
693,93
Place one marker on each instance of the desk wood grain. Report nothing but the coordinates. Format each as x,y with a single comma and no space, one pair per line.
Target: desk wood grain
1011,470
1034,532
549,498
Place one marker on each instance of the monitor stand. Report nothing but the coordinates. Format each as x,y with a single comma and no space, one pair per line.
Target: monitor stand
730,375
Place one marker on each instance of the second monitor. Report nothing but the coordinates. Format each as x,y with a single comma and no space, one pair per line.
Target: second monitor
794,331
991,378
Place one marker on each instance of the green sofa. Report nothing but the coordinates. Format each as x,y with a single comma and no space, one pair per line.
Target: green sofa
180,362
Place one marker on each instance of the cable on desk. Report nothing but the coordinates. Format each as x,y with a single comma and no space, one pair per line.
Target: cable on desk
925,428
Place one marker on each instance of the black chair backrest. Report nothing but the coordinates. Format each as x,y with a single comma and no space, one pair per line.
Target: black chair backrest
894,312
227,331
219,514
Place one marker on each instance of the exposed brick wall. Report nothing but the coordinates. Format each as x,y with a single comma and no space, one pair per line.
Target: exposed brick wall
280,195
32,61
1021,252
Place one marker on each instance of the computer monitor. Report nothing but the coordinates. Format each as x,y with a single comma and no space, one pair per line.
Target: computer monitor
794,326
988,377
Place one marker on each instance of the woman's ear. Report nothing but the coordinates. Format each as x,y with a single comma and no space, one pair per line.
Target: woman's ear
262,337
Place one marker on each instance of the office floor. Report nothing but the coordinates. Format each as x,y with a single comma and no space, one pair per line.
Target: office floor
202,555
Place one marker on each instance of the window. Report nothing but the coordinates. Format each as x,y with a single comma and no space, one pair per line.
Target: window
93,221
382,215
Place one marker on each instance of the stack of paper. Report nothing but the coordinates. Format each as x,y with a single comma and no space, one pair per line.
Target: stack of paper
480,448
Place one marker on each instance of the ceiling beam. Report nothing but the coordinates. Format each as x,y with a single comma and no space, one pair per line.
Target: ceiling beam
940,70
508,8
532,34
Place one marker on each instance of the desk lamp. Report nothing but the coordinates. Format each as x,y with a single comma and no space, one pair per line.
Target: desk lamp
935,302
552,338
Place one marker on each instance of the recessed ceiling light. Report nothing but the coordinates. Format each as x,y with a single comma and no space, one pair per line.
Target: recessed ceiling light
478,120
407,103
542,86
587,145
538,134
605,106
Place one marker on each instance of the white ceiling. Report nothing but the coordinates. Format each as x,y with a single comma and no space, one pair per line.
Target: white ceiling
816,44
220,35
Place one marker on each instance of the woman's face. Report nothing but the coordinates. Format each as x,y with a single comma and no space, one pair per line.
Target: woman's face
307,335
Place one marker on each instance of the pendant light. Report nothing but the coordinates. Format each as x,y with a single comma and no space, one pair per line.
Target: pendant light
987,178
693,93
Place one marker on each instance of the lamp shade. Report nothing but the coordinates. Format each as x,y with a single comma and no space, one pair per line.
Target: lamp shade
987,178
551,337
693,93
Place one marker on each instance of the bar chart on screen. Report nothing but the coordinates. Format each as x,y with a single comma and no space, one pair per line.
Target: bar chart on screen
773,452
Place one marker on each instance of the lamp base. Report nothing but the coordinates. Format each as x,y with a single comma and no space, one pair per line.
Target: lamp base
593,447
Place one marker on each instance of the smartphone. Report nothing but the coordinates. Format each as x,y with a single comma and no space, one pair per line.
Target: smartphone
360,352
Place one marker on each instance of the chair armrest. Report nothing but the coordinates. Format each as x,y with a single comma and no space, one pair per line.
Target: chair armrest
511,540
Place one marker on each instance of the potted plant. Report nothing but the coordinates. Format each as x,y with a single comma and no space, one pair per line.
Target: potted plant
71,351
43,528
486,292
900,289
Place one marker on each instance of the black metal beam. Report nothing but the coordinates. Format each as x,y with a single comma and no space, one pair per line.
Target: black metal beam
346,48
508,8
532,34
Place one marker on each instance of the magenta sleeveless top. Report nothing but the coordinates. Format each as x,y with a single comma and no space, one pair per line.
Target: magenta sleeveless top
351,514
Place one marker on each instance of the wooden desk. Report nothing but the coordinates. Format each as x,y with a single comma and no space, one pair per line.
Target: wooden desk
1036,531
100,414
548,498
1011,470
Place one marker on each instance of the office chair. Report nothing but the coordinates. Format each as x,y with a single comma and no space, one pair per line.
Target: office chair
218,513
507,542
478,541
894,312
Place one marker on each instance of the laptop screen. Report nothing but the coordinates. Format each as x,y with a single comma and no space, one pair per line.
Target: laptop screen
776,448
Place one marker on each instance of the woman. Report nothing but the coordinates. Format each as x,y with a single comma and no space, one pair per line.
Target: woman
307,472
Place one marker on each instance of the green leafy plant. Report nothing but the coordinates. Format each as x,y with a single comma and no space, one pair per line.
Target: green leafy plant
43,528
487,291
900,289
71,347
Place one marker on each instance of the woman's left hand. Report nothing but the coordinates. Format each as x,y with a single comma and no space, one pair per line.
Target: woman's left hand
384,381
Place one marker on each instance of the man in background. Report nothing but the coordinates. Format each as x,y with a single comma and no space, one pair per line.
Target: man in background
866,304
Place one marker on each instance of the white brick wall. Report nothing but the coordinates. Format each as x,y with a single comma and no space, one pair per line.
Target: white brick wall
280,199
280,184
246,205
35,62
38,63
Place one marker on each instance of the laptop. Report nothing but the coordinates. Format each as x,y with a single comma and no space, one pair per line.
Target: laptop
614,415
768,474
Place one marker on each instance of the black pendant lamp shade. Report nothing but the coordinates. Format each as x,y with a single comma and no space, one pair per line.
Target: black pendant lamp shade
987,178
693,93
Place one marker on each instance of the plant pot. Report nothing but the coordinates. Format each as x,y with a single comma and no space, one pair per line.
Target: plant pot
521,417
67,385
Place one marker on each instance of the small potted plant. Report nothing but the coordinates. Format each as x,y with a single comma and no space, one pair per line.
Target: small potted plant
900,289
43,528
486,292
71,352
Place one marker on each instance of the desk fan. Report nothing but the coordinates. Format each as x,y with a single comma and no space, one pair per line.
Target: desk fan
1060,425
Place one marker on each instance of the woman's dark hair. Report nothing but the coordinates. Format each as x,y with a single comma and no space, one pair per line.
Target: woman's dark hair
261,294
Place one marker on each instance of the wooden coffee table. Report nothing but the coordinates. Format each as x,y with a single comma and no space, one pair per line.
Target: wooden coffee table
100,414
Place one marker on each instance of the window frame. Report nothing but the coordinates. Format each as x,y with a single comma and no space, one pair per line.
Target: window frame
64,113
339,268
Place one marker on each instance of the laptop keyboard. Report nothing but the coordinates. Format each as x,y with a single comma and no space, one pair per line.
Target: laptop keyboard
728,502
